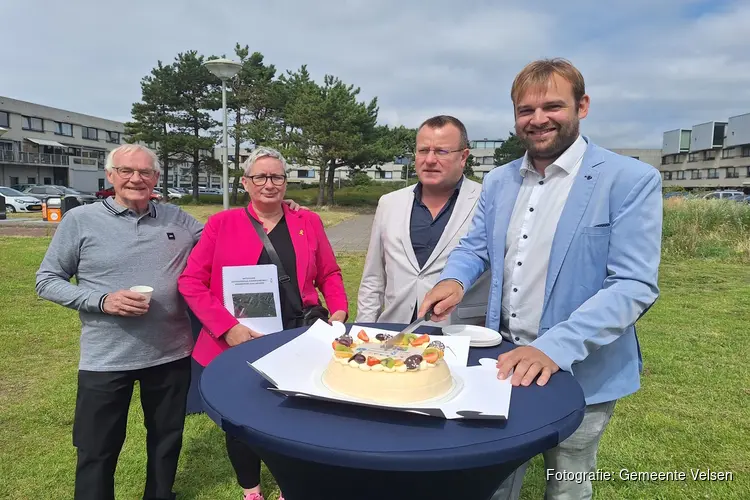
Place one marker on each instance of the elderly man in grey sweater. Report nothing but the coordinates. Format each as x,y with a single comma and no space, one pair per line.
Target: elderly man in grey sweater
109,247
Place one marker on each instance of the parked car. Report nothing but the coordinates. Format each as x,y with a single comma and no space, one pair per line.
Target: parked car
107,192
43,192
16,201
174,193
726,195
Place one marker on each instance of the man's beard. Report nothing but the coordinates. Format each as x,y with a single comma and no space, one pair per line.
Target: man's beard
566,135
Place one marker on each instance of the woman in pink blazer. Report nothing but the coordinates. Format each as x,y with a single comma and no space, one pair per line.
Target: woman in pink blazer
230,239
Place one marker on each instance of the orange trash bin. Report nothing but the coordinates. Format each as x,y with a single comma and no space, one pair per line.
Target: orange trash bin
52,209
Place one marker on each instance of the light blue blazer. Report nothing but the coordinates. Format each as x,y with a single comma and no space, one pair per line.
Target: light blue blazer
602,272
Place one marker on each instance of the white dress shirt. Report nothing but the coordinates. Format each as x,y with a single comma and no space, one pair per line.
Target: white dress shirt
528,243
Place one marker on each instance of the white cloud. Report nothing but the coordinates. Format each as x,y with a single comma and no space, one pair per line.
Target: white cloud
650,66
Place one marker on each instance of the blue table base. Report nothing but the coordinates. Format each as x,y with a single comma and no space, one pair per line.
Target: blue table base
303,480
299,439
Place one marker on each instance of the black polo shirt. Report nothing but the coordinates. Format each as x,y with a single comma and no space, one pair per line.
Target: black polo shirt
424,231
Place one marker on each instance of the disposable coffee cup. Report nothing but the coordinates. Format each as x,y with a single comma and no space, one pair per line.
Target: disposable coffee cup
146,291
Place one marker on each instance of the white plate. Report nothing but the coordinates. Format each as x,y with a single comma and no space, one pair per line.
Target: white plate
486,344
480,336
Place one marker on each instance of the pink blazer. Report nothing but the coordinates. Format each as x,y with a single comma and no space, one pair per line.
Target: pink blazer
229,239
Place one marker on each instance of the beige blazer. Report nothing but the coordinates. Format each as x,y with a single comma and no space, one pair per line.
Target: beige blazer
392,282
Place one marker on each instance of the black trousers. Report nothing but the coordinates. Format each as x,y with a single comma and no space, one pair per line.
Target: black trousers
101,420
245,462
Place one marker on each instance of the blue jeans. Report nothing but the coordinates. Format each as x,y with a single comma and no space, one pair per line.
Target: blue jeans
576,454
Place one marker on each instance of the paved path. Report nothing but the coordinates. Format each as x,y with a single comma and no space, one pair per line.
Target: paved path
352,235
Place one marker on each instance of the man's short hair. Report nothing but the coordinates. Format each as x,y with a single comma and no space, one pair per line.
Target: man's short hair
132,148
538,74
441,121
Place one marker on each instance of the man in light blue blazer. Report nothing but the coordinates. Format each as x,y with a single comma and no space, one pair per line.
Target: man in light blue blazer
572,235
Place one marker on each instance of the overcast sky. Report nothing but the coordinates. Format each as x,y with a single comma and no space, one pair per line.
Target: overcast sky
650,65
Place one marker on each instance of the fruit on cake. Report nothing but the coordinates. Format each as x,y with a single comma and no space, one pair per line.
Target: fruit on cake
412,371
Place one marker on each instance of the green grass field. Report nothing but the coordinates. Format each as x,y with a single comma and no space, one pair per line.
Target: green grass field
691,413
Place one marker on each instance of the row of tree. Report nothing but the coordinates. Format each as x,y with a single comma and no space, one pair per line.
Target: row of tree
319,125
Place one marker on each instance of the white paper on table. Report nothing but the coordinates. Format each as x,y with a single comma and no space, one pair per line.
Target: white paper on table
296,367
251,294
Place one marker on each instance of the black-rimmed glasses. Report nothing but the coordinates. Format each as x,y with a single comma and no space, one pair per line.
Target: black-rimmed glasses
261,179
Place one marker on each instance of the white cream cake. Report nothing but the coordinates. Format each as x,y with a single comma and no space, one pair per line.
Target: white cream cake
410,372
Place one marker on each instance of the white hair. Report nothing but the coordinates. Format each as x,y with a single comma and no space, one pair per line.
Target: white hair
132,148
262,152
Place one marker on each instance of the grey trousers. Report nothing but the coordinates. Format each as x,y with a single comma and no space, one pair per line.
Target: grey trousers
576,454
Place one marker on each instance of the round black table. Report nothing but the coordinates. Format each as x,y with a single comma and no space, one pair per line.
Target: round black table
324,450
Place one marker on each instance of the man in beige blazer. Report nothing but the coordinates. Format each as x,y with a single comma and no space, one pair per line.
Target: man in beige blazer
415,229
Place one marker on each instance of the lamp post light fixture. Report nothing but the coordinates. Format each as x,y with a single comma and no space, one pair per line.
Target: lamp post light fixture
224,69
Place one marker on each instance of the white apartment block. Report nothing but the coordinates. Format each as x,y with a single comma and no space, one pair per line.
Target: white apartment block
708,156
44,145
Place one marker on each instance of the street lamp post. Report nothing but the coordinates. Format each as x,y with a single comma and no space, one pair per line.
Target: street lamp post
224,69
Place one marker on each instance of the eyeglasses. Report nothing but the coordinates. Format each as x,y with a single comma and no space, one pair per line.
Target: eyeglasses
260,180
438,152
127,173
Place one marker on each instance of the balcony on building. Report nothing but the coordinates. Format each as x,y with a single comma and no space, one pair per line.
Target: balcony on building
738,132
706,136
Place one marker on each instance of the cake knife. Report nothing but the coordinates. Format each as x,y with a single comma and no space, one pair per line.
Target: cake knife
397,338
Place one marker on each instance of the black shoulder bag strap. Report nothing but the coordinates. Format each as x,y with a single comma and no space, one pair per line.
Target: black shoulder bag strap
286,282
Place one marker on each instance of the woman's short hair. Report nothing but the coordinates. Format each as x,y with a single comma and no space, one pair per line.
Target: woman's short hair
261,152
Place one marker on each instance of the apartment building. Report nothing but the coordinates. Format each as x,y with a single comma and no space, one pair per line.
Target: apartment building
708,156
44,145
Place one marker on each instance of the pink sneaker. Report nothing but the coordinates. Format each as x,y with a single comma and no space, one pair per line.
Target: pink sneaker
253,496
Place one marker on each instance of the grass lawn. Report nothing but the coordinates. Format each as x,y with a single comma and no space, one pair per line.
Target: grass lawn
691,413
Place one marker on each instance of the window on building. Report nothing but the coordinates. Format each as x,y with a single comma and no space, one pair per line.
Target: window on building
693,157
90,133
383,175
401,160
113,137
14,181
485,144
488,160
4,119
681,175
713,173
728,153
747,174
33,123
732,173
31,180
101,184
667,176
745,151
48,181
709,155
62,128
695,174
306,174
